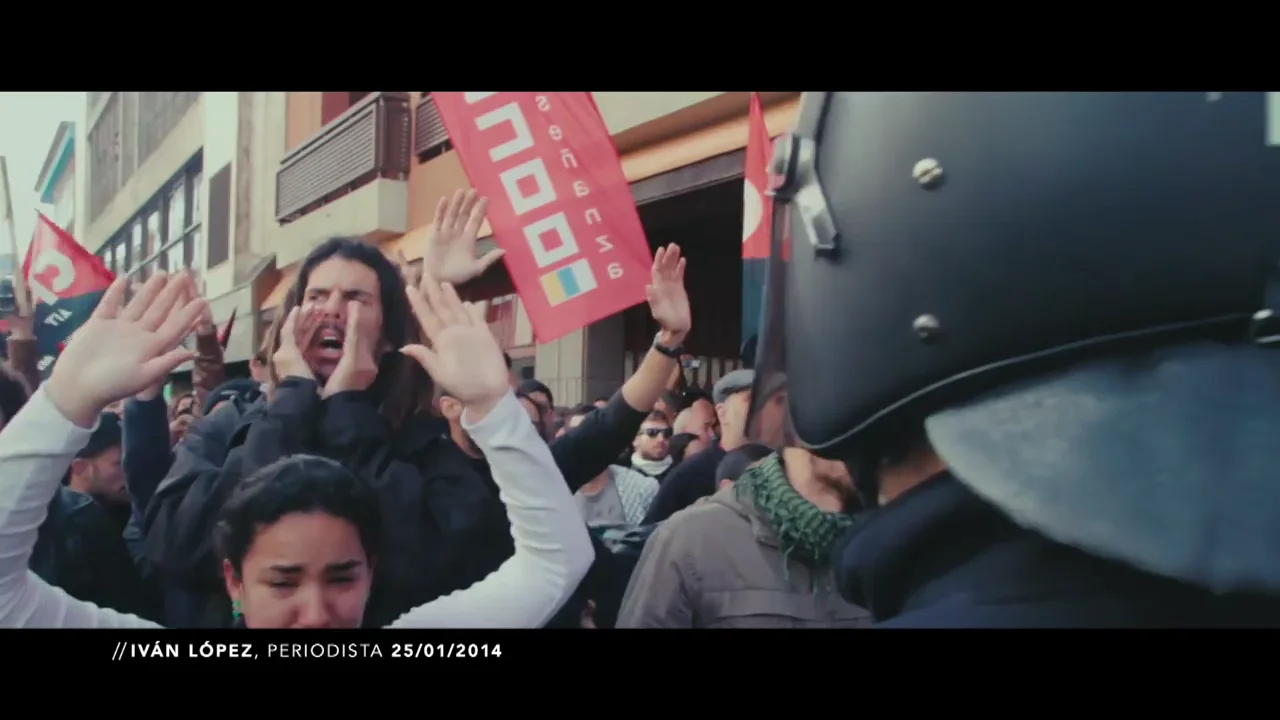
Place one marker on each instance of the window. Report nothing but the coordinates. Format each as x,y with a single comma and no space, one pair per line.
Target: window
430,137
176,255
197,186
193,245
137,246
164,234
153,241
218,231
177,210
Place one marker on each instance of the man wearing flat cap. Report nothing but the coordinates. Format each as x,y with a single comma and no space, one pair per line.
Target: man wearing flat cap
754,553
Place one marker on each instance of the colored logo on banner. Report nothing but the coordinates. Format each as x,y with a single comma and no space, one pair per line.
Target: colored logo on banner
568,282
66,284
560,204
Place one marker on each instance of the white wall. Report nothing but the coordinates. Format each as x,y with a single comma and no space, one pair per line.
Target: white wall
269,131
80,180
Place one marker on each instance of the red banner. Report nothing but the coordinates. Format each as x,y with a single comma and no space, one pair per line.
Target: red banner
57,267
66,283
757,215
559,203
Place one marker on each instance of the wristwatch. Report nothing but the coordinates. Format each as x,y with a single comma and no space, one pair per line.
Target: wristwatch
672,352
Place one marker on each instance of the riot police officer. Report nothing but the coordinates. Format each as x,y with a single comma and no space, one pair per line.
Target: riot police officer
1037,326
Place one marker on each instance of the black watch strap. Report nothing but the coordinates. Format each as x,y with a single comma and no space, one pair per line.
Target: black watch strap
672,352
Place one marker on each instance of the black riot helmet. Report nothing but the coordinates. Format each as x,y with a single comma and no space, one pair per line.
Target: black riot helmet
1053,285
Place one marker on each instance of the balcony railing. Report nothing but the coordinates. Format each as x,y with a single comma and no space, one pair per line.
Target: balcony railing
368,141
430,138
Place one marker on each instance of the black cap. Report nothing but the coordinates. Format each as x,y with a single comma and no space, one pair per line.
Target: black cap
107,435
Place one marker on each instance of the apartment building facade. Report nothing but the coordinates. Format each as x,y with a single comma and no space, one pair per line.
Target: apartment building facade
56,184
157,192
375,164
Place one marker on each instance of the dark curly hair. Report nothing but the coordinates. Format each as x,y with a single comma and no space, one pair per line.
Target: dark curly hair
296,484
403,388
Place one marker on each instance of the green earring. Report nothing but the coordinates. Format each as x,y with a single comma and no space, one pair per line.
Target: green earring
235,609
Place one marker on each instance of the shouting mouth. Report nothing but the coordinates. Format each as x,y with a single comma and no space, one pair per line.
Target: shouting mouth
329,344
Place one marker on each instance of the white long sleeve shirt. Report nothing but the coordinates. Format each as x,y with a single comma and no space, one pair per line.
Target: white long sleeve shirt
553,549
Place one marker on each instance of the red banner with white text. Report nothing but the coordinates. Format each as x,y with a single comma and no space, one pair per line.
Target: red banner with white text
559,204
66,284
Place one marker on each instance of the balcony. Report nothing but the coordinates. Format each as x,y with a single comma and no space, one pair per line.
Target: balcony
430,138
350,179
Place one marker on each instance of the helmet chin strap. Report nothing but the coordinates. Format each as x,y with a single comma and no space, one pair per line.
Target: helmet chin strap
866,480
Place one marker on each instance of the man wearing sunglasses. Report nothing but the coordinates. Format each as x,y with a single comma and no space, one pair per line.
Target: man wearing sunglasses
651,445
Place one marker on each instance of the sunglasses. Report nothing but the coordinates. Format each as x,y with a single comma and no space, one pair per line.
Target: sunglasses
655,432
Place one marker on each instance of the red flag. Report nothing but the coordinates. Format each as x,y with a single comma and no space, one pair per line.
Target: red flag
225,333
66,283
559,205
57,267
757,209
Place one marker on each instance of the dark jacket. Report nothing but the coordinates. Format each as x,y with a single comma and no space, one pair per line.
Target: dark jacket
442,530
938,556
79,549
583,453
685,484
146,459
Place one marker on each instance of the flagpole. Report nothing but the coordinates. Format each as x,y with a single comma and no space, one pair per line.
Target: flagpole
19,281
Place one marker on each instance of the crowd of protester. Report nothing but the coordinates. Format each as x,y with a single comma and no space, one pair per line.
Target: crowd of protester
381,466
1033,389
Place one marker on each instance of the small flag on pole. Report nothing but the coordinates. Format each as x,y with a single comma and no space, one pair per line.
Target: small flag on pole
757,219
225,334
66,284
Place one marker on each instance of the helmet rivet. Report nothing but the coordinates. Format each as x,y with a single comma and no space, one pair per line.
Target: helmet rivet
927,328
928,172
1264,328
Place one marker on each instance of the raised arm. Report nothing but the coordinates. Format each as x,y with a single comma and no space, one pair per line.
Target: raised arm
553,549
586,450
117,352
36,448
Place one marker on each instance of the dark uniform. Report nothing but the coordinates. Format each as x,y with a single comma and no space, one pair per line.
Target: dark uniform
1071,297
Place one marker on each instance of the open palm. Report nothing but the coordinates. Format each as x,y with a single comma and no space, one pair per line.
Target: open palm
124,348
464,357
450,249
668,300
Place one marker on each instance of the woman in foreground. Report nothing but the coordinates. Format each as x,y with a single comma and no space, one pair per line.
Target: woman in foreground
295,536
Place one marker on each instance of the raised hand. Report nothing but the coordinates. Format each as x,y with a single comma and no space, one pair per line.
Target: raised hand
464,357
410,274
122,349
189,293
22,321
668,301
296,333
450,250
358,368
